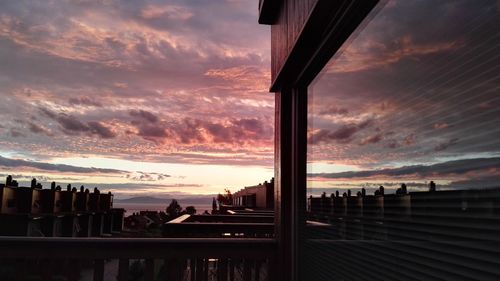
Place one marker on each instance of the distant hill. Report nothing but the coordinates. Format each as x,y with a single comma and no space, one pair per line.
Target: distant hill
183,200
143,199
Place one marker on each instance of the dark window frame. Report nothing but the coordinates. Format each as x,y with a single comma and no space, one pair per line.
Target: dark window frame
328,26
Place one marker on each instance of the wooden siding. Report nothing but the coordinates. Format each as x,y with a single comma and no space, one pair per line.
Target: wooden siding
293,15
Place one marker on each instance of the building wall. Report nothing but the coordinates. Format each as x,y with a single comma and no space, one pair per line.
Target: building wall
262,193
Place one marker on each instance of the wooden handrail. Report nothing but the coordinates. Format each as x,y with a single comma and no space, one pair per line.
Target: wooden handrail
103,248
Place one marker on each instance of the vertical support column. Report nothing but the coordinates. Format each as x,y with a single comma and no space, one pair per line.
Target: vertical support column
290,177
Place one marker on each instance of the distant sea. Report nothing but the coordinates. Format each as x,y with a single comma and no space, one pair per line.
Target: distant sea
137,207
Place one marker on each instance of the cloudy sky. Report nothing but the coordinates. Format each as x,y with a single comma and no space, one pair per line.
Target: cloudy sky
170,97
139,96
413,97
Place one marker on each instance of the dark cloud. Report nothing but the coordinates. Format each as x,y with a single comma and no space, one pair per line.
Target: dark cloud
189,131
100,130
71,125
145,115
18,163
343,134
250,125
456,167
192,131
142,176
151,132
85,101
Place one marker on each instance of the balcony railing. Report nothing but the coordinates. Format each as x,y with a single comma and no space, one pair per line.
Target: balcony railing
247,226
196,259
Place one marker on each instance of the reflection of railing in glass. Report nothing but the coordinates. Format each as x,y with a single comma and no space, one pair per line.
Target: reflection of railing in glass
450,234
434,215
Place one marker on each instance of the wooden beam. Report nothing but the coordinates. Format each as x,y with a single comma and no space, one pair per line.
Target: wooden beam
329,25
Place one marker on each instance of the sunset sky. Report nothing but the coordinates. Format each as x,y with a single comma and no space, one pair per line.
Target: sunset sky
171,97
139,97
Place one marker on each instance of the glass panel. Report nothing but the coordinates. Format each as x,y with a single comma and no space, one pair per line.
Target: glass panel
404,147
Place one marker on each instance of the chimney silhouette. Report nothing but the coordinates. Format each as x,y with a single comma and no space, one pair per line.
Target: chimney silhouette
33,183
53,185
432,186
8,182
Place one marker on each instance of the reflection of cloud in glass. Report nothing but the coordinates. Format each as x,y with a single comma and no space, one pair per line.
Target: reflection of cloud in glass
425,77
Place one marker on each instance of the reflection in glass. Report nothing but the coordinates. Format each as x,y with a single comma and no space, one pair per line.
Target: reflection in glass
414,97
404,144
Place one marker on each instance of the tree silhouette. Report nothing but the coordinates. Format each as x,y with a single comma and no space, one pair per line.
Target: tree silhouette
190,210
174,209
226,198
214,205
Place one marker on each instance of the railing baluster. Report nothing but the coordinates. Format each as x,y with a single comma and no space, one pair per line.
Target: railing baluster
123,268
192,269
205,269
231,269
83,253
222,269
247,270
150,270
257,269
99,270
199,270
